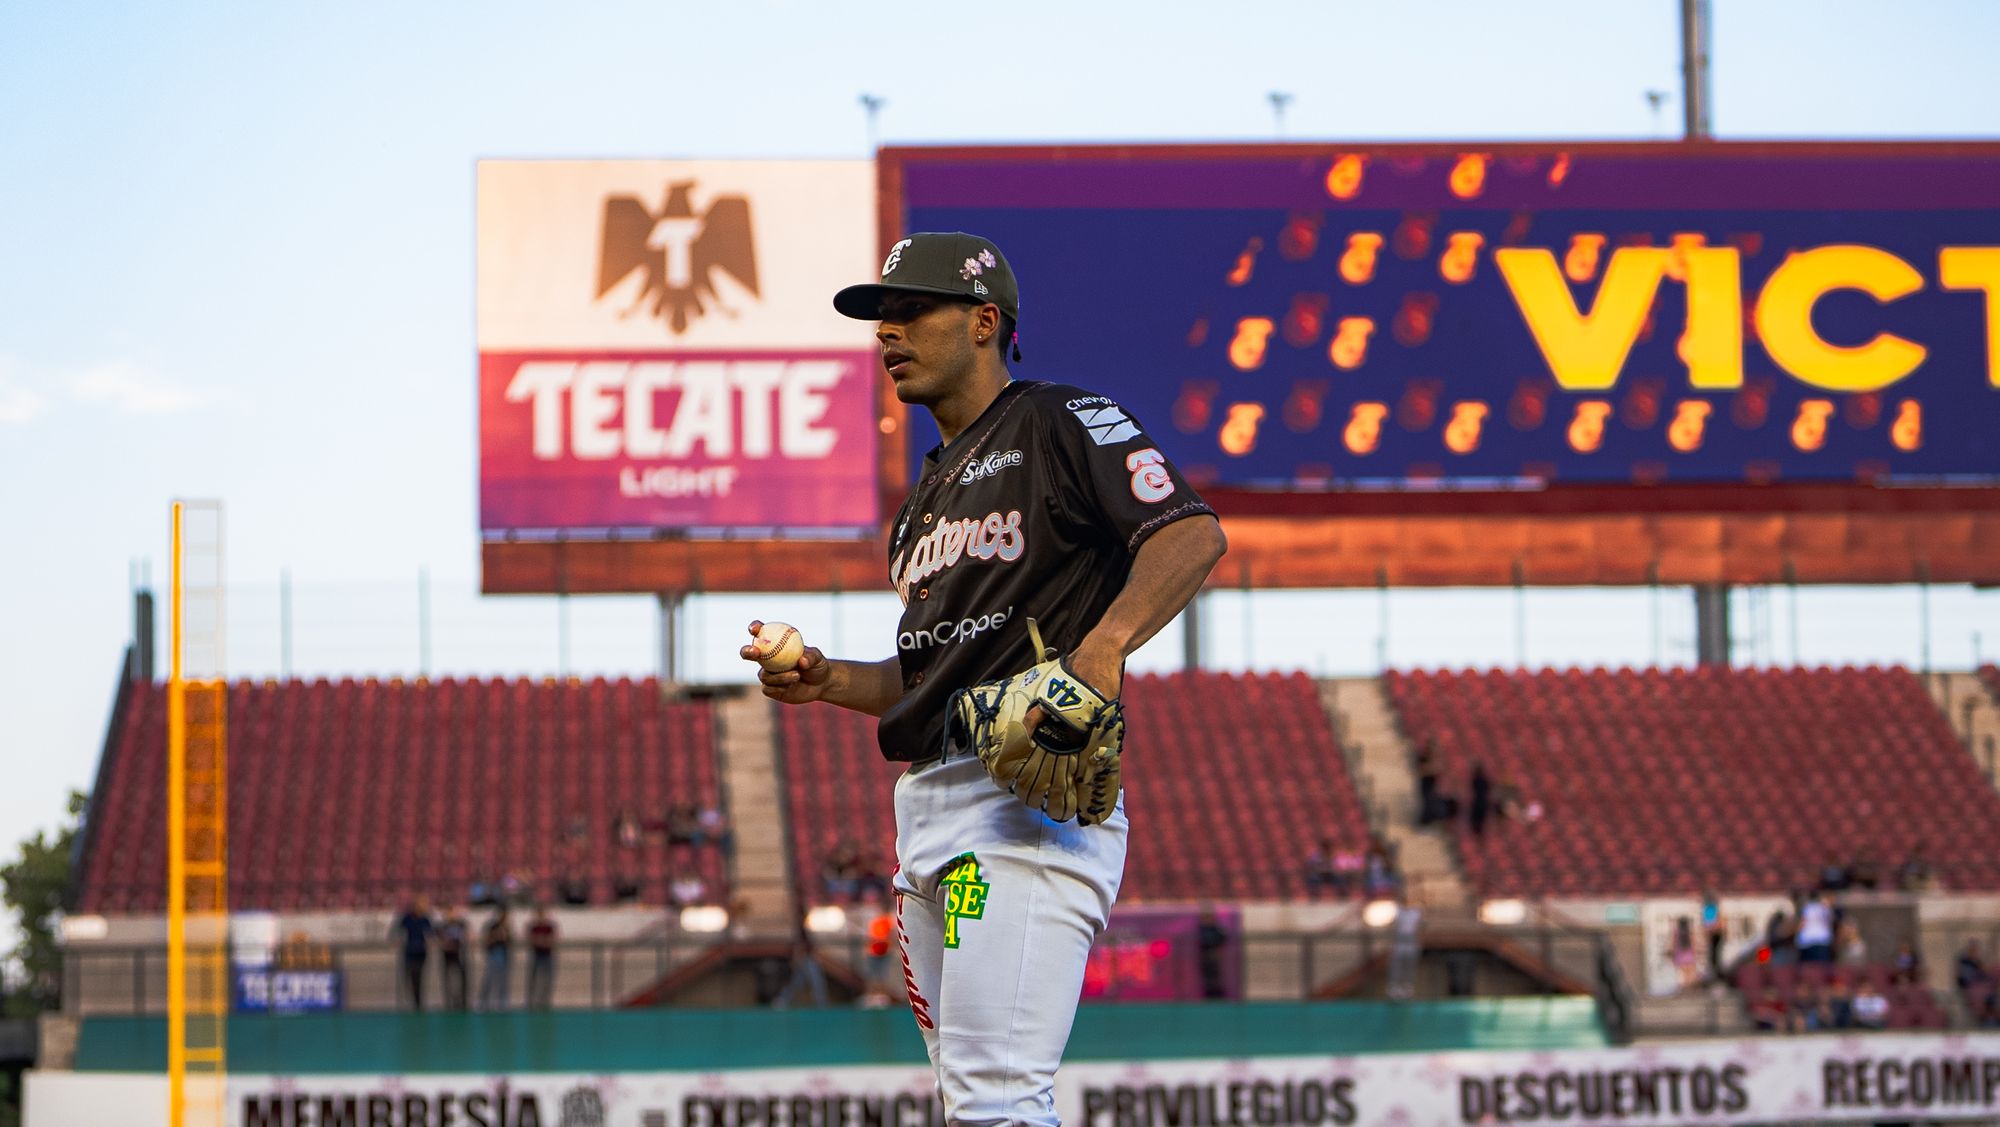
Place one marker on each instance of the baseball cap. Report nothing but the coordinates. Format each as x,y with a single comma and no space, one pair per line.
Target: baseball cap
951,263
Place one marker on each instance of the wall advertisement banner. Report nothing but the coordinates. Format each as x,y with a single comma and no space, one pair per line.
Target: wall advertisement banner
1827,1079
658,347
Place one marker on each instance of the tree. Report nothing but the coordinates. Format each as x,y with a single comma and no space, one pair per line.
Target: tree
34,884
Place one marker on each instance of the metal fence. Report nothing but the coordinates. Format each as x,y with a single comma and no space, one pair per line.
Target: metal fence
121,980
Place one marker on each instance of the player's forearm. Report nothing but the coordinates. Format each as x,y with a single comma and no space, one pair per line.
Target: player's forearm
864,686
1168,571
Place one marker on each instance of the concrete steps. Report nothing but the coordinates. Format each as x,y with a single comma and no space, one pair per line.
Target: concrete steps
1973,712
1384,770
760,870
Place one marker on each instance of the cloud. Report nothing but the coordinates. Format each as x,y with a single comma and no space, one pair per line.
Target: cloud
131,389
19,403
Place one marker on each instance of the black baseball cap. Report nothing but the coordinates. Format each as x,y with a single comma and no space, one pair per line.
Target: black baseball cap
949,263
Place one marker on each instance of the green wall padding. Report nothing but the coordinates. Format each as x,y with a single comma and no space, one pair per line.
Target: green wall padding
672,1040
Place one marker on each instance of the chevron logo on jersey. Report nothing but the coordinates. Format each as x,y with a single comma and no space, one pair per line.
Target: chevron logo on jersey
1105,420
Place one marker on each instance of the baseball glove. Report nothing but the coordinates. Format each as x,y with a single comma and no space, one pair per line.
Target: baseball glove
1068,766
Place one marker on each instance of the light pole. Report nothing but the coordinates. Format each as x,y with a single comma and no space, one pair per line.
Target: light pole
1279,99
871,105
1654,100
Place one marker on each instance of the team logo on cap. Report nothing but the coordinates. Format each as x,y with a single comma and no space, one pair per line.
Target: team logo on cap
895,257
678,251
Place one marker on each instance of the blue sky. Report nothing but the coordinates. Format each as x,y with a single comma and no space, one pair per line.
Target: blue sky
236,262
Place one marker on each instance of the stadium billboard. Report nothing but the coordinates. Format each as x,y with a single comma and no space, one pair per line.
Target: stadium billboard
657,350
1512,317
1847,1078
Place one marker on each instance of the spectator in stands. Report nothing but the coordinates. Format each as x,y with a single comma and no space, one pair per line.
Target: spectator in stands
1212,938
1971,970
881,935
498,939
1320,872
1430,802
1840,1004
1482,799
1767,1013
1716,931
712,828
1405,949
1832,875
840,871
625,888
413,926
806,974
1378,876
1915,875
1871,1009
1908,966
627,831
1780,936
452,934
1809,1010
1815,934
683,824
686,888
1687,970
1849,949
541,959
1864,873
571,887
577,835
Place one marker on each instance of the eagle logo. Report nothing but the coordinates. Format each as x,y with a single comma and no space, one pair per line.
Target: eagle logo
678,250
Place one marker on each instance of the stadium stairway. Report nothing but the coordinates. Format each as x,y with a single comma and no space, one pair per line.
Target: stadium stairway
1384,767
1969,705
754,780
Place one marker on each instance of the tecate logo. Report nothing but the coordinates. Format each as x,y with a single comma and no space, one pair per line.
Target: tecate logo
953,630
989,465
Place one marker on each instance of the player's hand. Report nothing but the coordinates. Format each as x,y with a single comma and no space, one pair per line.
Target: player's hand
803,683
1101,670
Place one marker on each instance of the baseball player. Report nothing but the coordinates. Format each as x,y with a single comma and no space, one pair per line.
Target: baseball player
1044,540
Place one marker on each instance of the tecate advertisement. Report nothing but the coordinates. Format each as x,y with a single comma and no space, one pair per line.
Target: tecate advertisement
658,348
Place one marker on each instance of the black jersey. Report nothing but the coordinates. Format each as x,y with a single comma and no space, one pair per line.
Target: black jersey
1034,511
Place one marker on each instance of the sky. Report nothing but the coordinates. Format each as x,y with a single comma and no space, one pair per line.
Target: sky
236,262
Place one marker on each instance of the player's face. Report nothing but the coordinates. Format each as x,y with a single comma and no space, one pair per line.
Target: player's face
927,345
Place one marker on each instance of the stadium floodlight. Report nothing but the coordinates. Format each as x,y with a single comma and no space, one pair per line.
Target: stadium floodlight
704,917
1379,913
1503,913
826,918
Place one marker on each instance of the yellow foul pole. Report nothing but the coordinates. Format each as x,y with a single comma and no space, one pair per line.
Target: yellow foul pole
176,855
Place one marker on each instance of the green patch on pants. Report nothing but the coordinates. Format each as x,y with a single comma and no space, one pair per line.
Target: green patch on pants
964,895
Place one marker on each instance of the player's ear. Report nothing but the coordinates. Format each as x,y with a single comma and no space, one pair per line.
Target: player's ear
986,324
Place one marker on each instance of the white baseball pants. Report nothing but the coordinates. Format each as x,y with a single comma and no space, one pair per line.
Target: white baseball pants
996,909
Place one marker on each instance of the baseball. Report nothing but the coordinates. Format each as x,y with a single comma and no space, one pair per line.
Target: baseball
782,646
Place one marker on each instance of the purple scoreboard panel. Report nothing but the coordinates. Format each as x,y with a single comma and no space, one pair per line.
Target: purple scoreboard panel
1508,317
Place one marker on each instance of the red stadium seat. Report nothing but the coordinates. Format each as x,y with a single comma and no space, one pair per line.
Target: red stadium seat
350,794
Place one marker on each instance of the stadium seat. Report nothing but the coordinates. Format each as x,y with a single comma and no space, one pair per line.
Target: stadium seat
352,794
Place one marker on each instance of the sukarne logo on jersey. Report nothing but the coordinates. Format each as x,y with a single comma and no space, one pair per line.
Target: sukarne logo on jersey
952,630
679,251
992,537
1106,421
989,465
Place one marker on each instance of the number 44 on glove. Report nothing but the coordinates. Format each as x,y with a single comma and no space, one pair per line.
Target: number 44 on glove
1067,767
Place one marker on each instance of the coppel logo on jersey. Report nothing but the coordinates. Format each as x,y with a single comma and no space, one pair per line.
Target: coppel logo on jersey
953,630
